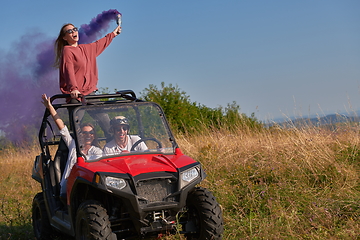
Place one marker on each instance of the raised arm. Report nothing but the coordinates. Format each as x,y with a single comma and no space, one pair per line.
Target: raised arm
53,113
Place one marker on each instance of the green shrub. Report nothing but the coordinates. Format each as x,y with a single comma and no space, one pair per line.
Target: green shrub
186,116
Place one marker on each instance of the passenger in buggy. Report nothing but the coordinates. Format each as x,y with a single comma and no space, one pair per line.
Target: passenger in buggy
90,148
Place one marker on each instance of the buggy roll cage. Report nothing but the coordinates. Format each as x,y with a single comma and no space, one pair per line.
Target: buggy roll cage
123,96
119,96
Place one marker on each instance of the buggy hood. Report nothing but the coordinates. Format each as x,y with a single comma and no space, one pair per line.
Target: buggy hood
138,164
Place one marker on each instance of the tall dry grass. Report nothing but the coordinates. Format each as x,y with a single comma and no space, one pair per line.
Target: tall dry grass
17,190
299,183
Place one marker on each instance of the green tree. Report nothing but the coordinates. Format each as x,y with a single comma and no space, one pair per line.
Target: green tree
186,116
179,111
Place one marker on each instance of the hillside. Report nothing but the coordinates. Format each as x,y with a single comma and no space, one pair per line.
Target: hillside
328,120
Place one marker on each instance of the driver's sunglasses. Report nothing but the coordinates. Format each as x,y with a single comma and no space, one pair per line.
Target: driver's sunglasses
124,128
88,132
71,30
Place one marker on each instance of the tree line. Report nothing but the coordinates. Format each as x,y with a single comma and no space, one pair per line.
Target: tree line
186,116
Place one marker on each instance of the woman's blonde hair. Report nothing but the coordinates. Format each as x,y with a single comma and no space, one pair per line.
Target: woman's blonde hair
59,45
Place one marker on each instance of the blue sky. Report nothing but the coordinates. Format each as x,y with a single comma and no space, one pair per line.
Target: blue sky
274,58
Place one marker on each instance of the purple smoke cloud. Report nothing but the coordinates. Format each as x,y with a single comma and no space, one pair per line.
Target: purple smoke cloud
27,71
90,32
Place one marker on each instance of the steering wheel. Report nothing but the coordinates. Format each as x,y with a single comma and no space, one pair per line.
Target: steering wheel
143,140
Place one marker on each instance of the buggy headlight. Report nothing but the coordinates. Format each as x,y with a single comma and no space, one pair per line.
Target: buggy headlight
117,183
188,176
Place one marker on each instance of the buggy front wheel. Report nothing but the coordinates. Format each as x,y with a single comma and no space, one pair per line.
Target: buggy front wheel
203,217
92,222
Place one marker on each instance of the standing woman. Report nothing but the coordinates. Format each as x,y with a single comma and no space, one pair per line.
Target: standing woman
77,62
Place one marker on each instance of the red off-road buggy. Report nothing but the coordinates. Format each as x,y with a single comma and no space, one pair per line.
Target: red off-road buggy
137,194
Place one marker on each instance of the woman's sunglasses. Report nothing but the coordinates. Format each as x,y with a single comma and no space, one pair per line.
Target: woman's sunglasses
71,30
88,132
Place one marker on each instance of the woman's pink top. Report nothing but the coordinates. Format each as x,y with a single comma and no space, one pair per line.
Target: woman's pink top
78,68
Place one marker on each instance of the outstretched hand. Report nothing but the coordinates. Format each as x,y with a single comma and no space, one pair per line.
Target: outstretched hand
117,30
46,101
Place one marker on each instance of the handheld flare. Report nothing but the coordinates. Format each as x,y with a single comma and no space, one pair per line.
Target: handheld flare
118,20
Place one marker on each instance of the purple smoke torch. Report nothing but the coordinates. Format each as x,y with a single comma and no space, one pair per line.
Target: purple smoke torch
118,20
26,72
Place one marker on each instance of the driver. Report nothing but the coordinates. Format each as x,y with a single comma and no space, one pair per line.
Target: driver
122,142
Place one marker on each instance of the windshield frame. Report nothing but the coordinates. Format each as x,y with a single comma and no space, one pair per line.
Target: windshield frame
139,123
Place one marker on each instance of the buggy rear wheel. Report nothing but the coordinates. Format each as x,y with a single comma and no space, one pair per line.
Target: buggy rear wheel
92,222
40,220
203,219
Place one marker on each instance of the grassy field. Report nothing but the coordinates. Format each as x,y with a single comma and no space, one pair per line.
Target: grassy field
299,183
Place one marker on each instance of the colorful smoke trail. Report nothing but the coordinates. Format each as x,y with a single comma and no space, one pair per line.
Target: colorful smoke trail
26,72
96,28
